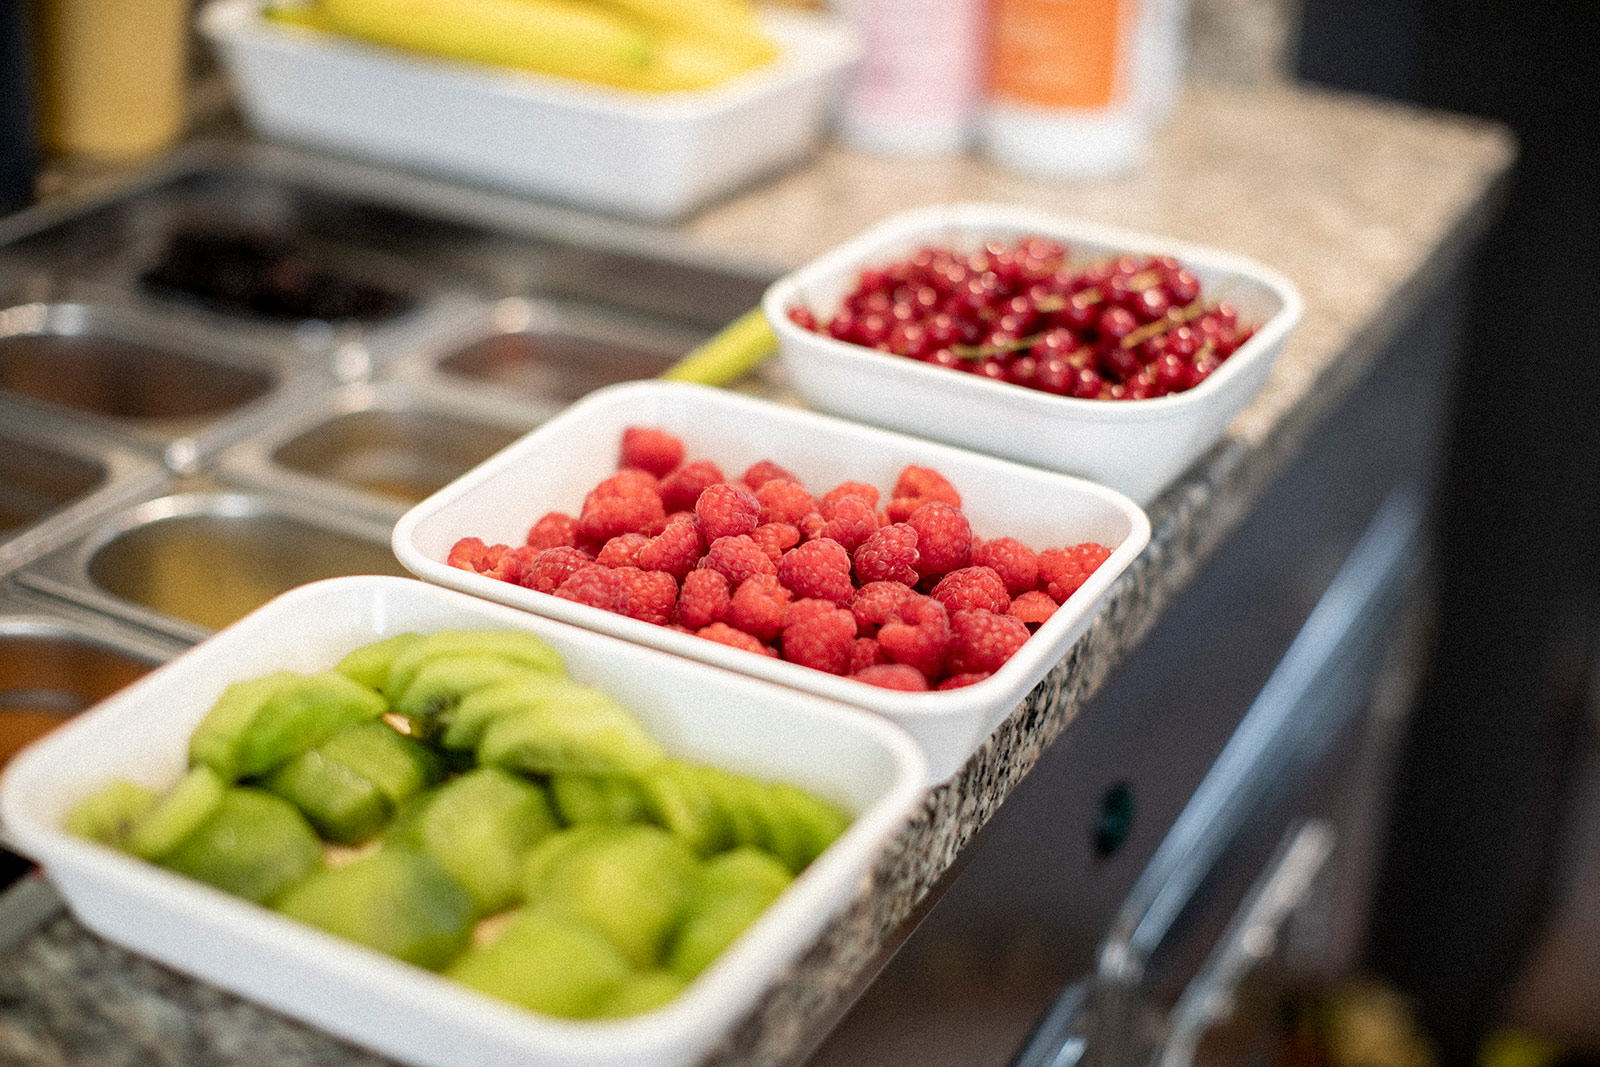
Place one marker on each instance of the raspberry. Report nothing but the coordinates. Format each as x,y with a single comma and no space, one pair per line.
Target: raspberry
651,449
553,530
875,602
822,641
852,522
807,608
866,653
676,549
811,526
917,486
723,634
597,586
552,567
622,550
513,564
776,538
890,554
726,510
1014,561
471,554
783,501
1062,571
1033,607
627,502
981,641
944,538
763,471
917,634
892,676
627,482
819,569
861,490
652,596
758,606
703,599
961,681
972,587
737,558
681,488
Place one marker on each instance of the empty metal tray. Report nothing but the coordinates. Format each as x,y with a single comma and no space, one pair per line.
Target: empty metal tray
381,446
202,556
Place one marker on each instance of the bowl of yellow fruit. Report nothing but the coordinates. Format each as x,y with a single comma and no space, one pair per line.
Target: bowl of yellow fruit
645,108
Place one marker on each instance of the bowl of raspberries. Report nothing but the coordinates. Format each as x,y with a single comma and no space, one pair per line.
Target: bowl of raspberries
1113,355
931,584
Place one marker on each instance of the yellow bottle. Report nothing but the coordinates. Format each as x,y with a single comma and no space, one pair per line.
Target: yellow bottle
112,76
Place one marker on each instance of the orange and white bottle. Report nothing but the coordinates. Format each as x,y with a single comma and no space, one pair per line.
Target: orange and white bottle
1076,88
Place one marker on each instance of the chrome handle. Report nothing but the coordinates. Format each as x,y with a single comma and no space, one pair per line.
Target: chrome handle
1284,729
1251,937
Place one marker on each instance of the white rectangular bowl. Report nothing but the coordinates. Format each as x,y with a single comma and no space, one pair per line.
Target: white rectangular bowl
653,156
555,466
392,1007
1136,446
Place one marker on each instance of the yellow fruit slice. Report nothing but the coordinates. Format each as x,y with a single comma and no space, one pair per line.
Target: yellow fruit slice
567,39
682,63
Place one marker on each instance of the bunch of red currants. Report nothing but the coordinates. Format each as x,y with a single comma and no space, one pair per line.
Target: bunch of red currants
1132,327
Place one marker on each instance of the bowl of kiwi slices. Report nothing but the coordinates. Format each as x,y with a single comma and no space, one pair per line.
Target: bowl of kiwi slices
455,833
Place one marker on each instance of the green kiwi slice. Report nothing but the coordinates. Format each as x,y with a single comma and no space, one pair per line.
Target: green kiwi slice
396,901
548,963
254,845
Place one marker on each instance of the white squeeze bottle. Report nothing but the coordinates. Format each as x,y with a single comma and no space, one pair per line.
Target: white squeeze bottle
1076,88
918,86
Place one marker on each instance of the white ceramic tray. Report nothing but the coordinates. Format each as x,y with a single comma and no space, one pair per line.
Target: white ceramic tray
655,156
1136,446
555,466
392,1007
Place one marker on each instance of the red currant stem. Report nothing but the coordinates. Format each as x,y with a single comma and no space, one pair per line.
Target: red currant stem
1178,316
1170,321
985,351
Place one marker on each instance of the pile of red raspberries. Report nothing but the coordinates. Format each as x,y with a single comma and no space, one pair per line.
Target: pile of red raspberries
898,594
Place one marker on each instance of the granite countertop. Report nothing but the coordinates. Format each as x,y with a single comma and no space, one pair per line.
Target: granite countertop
1365,206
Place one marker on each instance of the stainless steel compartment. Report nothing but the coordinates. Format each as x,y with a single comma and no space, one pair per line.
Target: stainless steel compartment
381,447
36,482
56,663
130,377
553,353
52,483
204,555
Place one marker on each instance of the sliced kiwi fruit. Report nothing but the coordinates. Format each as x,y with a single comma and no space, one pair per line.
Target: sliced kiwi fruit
479,826
463,727
597,798
587,731
369,664
629,882
732,890
643,991
109,814
254,845
397,901
546,962
518,646
178,814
